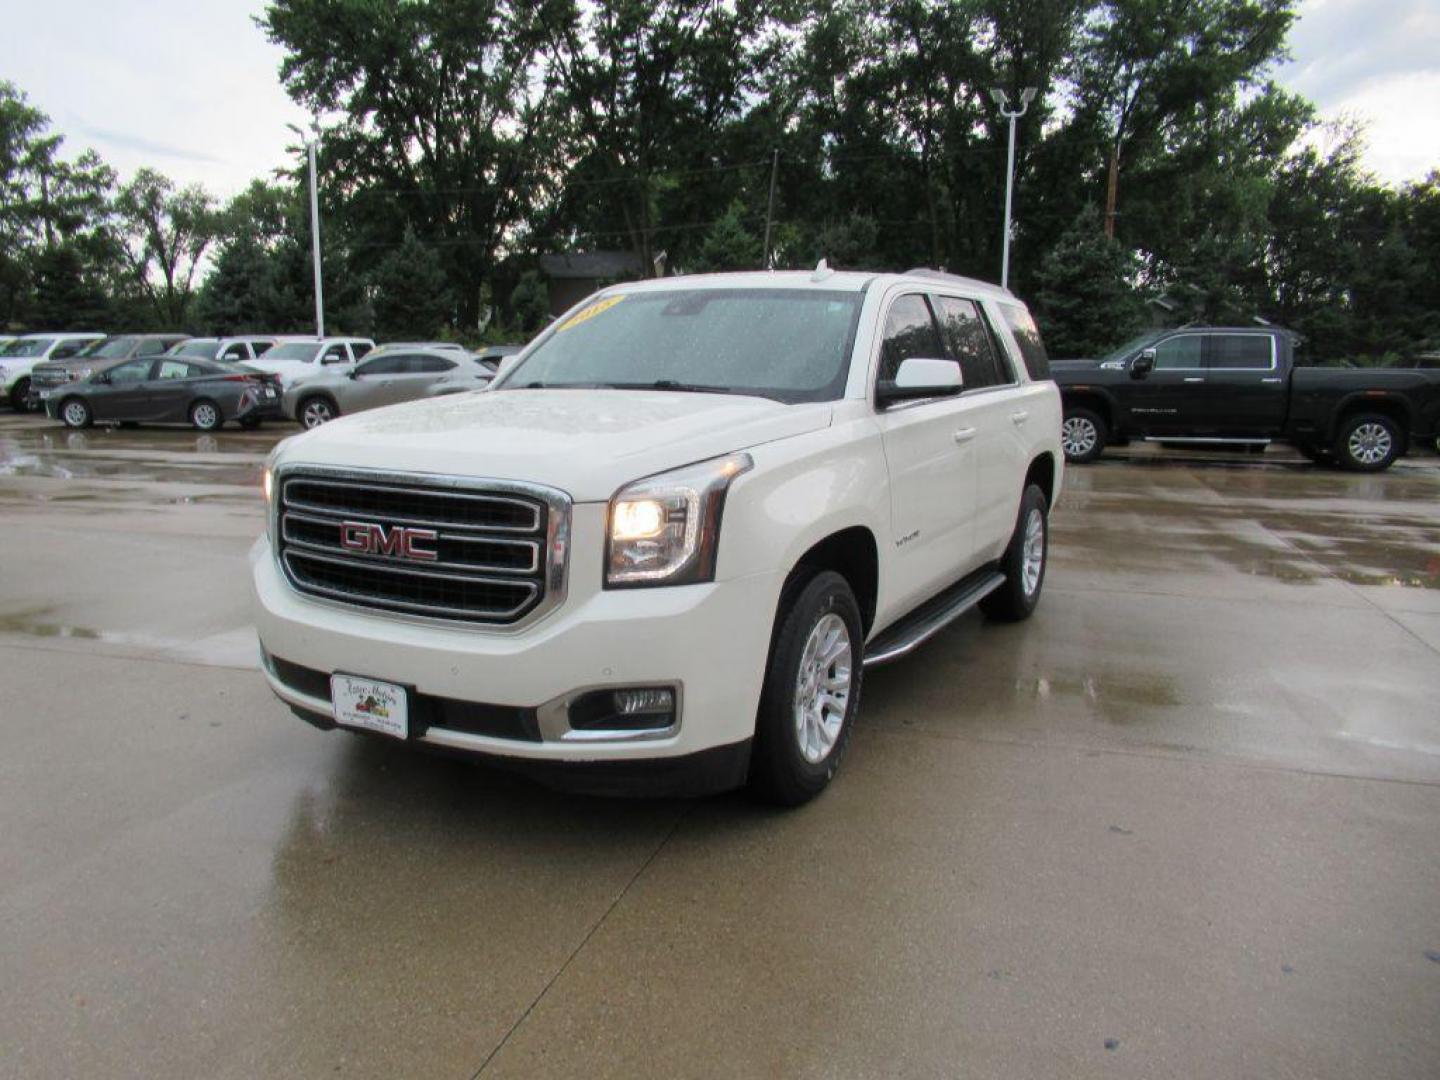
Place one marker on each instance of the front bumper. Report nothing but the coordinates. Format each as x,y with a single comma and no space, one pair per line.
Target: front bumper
711,642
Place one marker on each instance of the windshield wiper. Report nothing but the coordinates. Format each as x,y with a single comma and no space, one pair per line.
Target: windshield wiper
670,384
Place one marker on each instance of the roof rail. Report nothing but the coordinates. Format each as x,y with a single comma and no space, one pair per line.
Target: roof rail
953,279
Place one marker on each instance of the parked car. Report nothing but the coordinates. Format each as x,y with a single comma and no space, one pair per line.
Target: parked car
658,552
388,376
167,390
238,350
19,357
298,358
1242,385
95,356
493,356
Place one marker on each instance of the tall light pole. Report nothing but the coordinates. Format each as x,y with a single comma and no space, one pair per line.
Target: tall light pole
310,144
1002,100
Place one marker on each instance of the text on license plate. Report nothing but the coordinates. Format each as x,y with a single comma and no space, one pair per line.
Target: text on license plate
370,704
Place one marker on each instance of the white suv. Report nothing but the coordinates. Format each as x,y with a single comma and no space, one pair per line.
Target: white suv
659,553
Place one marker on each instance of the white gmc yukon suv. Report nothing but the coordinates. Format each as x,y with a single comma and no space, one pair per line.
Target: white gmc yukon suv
658,553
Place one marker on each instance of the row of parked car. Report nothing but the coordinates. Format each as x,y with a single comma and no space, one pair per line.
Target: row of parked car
82,378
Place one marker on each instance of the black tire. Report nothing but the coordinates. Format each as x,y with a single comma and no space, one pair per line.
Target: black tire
780,770
315,410
1368,442
20,394
1083,435
205,415
1020,595
75,412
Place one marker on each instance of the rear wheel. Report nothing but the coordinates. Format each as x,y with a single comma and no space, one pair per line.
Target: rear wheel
1369,442
317,410
1024,561
1082,435
20,395
205,415
811,691
75,413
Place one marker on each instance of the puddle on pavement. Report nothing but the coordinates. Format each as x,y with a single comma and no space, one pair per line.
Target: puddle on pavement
34,623
1118,699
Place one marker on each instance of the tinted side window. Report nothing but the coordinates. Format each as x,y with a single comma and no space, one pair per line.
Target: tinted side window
1027,336
1179,353
178,369
969,341
431,364
235,351
335,354
383,365
66,349
1240,351
152,347
130,372
909,331
359,348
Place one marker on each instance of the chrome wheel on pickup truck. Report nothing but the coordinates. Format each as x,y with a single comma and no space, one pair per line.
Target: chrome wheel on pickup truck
1082,436
1368,443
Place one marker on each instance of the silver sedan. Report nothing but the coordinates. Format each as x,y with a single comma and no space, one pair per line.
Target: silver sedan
387,376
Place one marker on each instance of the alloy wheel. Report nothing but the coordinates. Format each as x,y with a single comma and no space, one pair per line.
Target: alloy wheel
1370,443
822,687
1032,559
1078,436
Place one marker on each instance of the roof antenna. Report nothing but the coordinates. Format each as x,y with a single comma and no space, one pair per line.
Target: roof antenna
822,271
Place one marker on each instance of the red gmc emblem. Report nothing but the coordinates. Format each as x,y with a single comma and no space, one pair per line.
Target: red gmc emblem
369,538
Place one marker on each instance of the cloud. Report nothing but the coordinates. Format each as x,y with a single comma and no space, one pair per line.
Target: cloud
139,143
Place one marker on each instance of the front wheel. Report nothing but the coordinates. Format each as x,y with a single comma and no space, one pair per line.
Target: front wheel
205,415
1368,443
75,413
811,691
1082,436
20,395
1024,561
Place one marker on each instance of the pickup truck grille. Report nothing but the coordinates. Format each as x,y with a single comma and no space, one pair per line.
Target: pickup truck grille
42,376
420,547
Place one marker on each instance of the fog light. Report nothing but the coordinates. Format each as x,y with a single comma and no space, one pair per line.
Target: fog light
653,700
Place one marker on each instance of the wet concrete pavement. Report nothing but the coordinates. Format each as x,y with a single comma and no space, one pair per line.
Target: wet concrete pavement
1184,822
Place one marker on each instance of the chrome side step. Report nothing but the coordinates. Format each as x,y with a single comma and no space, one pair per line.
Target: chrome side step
927,620
1227,440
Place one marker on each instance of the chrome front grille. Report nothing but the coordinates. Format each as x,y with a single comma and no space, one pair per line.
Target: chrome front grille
484,552
47,377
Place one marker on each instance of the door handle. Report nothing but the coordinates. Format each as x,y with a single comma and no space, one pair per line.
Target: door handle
1272,380
964,435
1195,378
1020,417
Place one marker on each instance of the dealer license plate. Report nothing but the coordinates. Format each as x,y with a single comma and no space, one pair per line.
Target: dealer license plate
370,704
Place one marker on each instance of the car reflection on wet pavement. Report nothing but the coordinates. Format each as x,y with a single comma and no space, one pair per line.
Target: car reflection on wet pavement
1184,822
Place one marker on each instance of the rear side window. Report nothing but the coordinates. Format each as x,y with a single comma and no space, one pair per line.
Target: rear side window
178,369
969,340
152,347
384,365
1027,336
1239,351
430,365
359,348
909,331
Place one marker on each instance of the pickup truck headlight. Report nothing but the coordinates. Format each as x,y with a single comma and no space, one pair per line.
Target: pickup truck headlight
664,530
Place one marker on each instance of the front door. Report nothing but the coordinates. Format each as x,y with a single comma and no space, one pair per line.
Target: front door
1165,400
123,396
930,455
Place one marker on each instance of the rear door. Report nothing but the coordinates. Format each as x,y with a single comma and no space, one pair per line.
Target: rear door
930,455
1169,400
1245,391
174,386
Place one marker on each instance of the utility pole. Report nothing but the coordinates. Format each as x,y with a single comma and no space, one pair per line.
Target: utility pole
1002,101
770,206
310,145
1112,189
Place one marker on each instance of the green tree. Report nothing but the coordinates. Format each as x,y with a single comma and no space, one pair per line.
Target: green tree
410,293
1086,292
729,245
166,234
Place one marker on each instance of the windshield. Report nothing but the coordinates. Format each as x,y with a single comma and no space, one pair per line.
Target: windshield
26,347
788,344
1129,347
109,350
195,347
293,350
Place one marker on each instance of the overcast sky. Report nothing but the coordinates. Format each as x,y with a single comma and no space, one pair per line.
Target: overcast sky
191,87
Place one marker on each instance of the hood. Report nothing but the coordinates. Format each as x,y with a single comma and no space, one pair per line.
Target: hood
1072,364
588,443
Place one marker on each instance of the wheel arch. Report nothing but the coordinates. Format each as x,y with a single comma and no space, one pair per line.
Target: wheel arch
1392,406
1092,398
853,554
1042,474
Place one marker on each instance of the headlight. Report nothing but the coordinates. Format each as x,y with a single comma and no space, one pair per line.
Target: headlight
81,373
664,530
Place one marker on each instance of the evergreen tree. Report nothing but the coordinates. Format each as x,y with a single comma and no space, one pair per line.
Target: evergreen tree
410,294
1086,291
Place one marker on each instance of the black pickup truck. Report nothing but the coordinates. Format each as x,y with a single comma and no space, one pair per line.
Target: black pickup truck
1243,385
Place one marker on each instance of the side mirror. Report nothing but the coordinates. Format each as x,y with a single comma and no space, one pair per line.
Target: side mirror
920,377
352,374
1143,364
